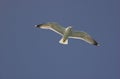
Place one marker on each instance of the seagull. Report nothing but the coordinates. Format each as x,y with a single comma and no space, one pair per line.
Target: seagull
67,33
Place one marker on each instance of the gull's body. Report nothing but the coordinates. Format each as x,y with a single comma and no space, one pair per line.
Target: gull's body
67,33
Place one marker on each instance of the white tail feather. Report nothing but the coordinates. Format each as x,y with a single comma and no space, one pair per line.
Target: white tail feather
63,42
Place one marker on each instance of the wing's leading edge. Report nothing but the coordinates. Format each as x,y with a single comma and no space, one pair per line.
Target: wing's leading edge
83,36
52,26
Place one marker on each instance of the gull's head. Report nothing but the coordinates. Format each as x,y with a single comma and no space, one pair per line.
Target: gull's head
69,26
43,26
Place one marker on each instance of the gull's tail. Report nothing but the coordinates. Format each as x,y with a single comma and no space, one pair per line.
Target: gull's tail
62,41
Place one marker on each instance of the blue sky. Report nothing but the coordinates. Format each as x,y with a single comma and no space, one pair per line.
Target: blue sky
30,53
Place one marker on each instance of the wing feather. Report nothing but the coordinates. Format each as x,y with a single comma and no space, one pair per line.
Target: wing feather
83,36
57,28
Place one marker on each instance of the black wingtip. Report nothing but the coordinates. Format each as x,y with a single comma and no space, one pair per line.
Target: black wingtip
96,44
38,25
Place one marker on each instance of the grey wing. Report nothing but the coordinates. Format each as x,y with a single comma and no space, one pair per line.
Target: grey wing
83,36
57,28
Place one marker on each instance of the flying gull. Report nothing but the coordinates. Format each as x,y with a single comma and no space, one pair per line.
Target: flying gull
67,33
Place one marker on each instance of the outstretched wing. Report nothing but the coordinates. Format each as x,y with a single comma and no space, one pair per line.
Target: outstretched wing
52,26
83,36
57,28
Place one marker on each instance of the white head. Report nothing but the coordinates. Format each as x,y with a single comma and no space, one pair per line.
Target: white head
69,27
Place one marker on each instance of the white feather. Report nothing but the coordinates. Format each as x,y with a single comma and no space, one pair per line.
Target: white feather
62,42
